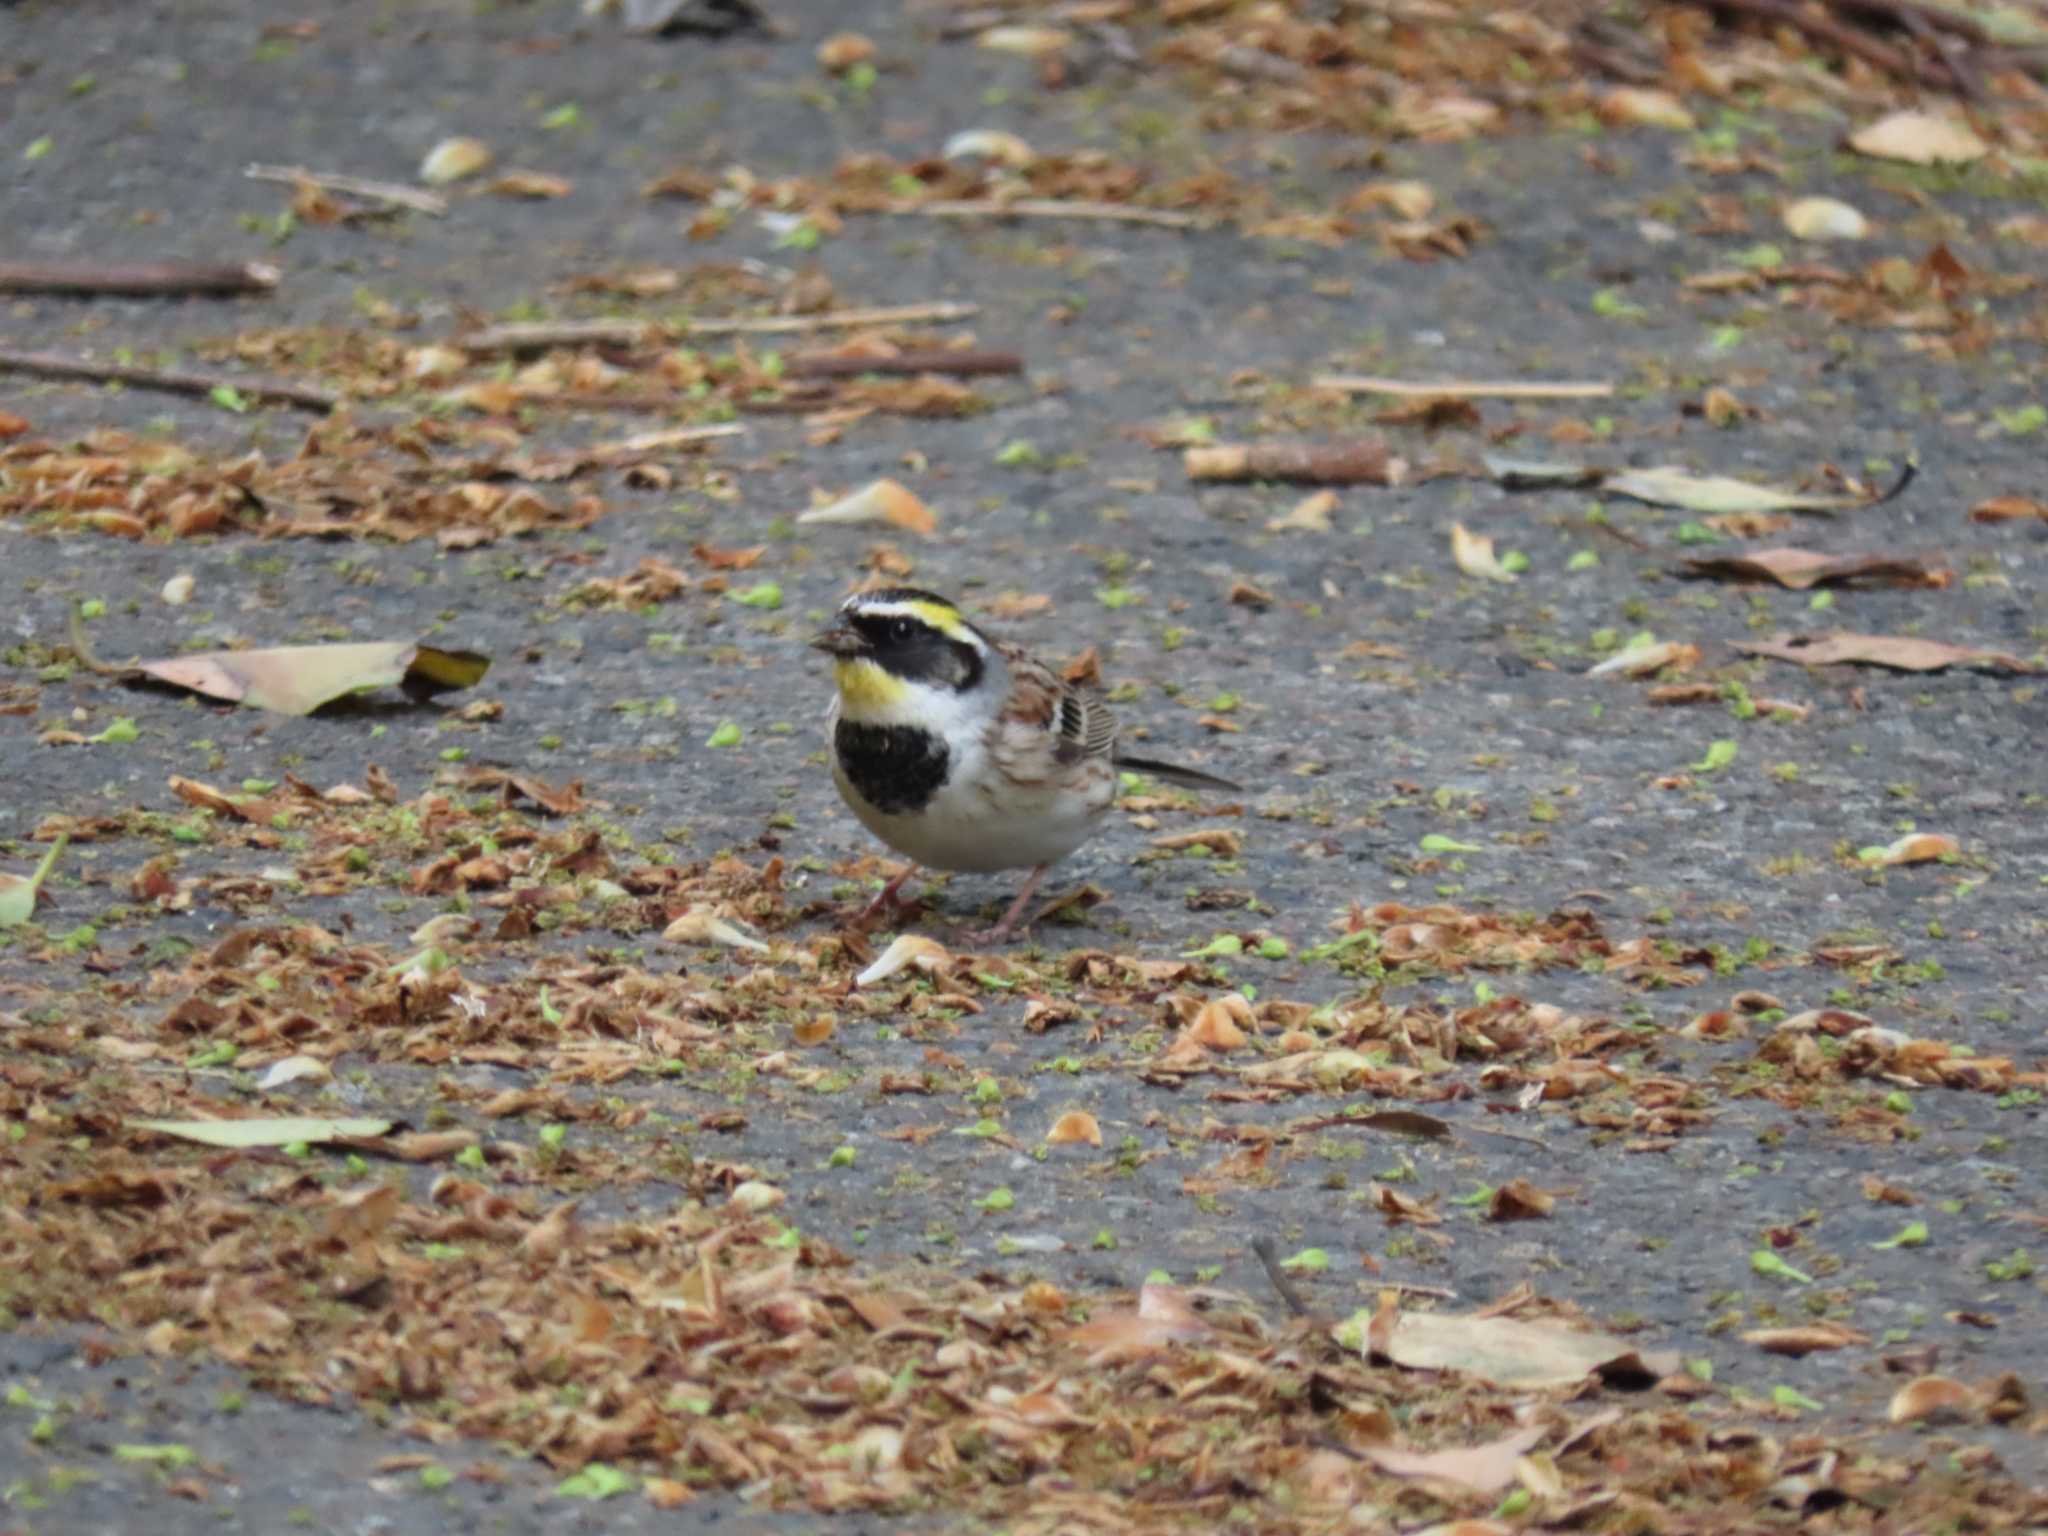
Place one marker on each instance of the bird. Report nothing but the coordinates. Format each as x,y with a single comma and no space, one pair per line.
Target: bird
963,752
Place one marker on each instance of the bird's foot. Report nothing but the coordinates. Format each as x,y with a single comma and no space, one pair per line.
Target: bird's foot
888,902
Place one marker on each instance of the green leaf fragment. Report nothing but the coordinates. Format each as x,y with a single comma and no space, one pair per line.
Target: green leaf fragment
1765,1262
1912,1235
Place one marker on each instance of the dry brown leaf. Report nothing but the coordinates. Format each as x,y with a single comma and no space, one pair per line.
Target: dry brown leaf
1519,1200
1919,138
1915,848
883,503
1473,554
1481,1468
1800,569
1075,1125
1904,653
2005,509
1932,1400
1804,1341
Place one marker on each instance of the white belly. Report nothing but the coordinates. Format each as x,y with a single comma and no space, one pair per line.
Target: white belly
965,828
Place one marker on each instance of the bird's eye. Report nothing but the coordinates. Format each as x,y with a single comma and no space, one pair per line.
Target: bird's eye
902,631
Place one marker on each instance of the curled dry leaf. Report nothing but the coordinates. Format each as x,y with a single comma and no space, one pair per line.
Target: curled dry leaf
705,925
989,144
453,159
1642,660
1075,1125
1473,553
1482,1468
1669,486
1519,1200
178,590
1507,1351
1824,218
1797,1342
757,1195
285,1132
1630,106
1032,42
2006,509
298,679
908,949
842,50
1310,515
535,185
18,892
1932,1400
1216,1024
1800,569
884,503
1919,138
1162,1317
1914,848
1901,653
1405,199
294,1069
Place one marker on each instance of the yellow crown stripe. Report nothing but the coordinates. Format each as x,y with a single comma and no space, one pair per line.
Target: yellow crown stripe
943,617
865,688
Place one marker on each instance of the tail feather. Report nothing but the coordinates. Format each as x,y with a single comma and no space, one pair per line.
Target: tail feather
1187,778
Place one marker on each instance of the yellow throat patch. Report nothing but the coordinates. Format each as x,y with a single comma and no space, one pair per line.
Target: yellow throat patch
865,688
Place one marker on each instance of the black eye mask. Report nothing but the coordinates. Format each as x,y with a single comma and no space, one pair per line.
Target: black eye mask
917,653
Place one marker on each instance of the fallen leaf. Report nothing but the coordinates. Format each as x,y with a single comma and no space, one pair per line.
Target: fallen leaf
263,1132
1631,106
1310,515
1824,218
995,144
703,925
294,1069
1914,848
1075,1125
2005,509
1163,1316
298,679
908,949
1519,1200
1800,569
1506,1351
1932,1400
1919,138
453,159
1669,486
1473,553
1797,1342
1641,660
1903,653
536,185
882,503
18,892
1482,1468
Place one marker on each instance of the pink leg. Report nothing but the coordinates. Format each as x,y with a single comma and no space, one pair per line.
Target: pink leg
1006,930
889,898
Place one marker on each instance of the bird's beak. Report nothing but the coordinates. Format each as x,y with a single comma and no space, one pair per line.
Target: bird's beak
840,640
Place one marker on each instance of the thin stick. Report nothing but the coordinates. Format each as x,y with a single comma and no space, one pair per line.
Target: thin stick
48,365
925,360
658,442
394,193
1468,389
938,311
1049,208
144,279
1297,1303
528,336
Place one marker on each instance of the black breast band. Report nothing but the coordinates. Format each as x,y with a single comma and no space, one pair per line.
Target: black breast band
895,768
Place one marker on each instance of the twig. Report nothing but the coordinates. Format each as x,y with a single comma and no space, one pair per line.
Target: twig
81,650
937,312
534,335
1822,28
925,360
1466,389
144,279
1049,208
1290,1293
48,365
399,196
1352,463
